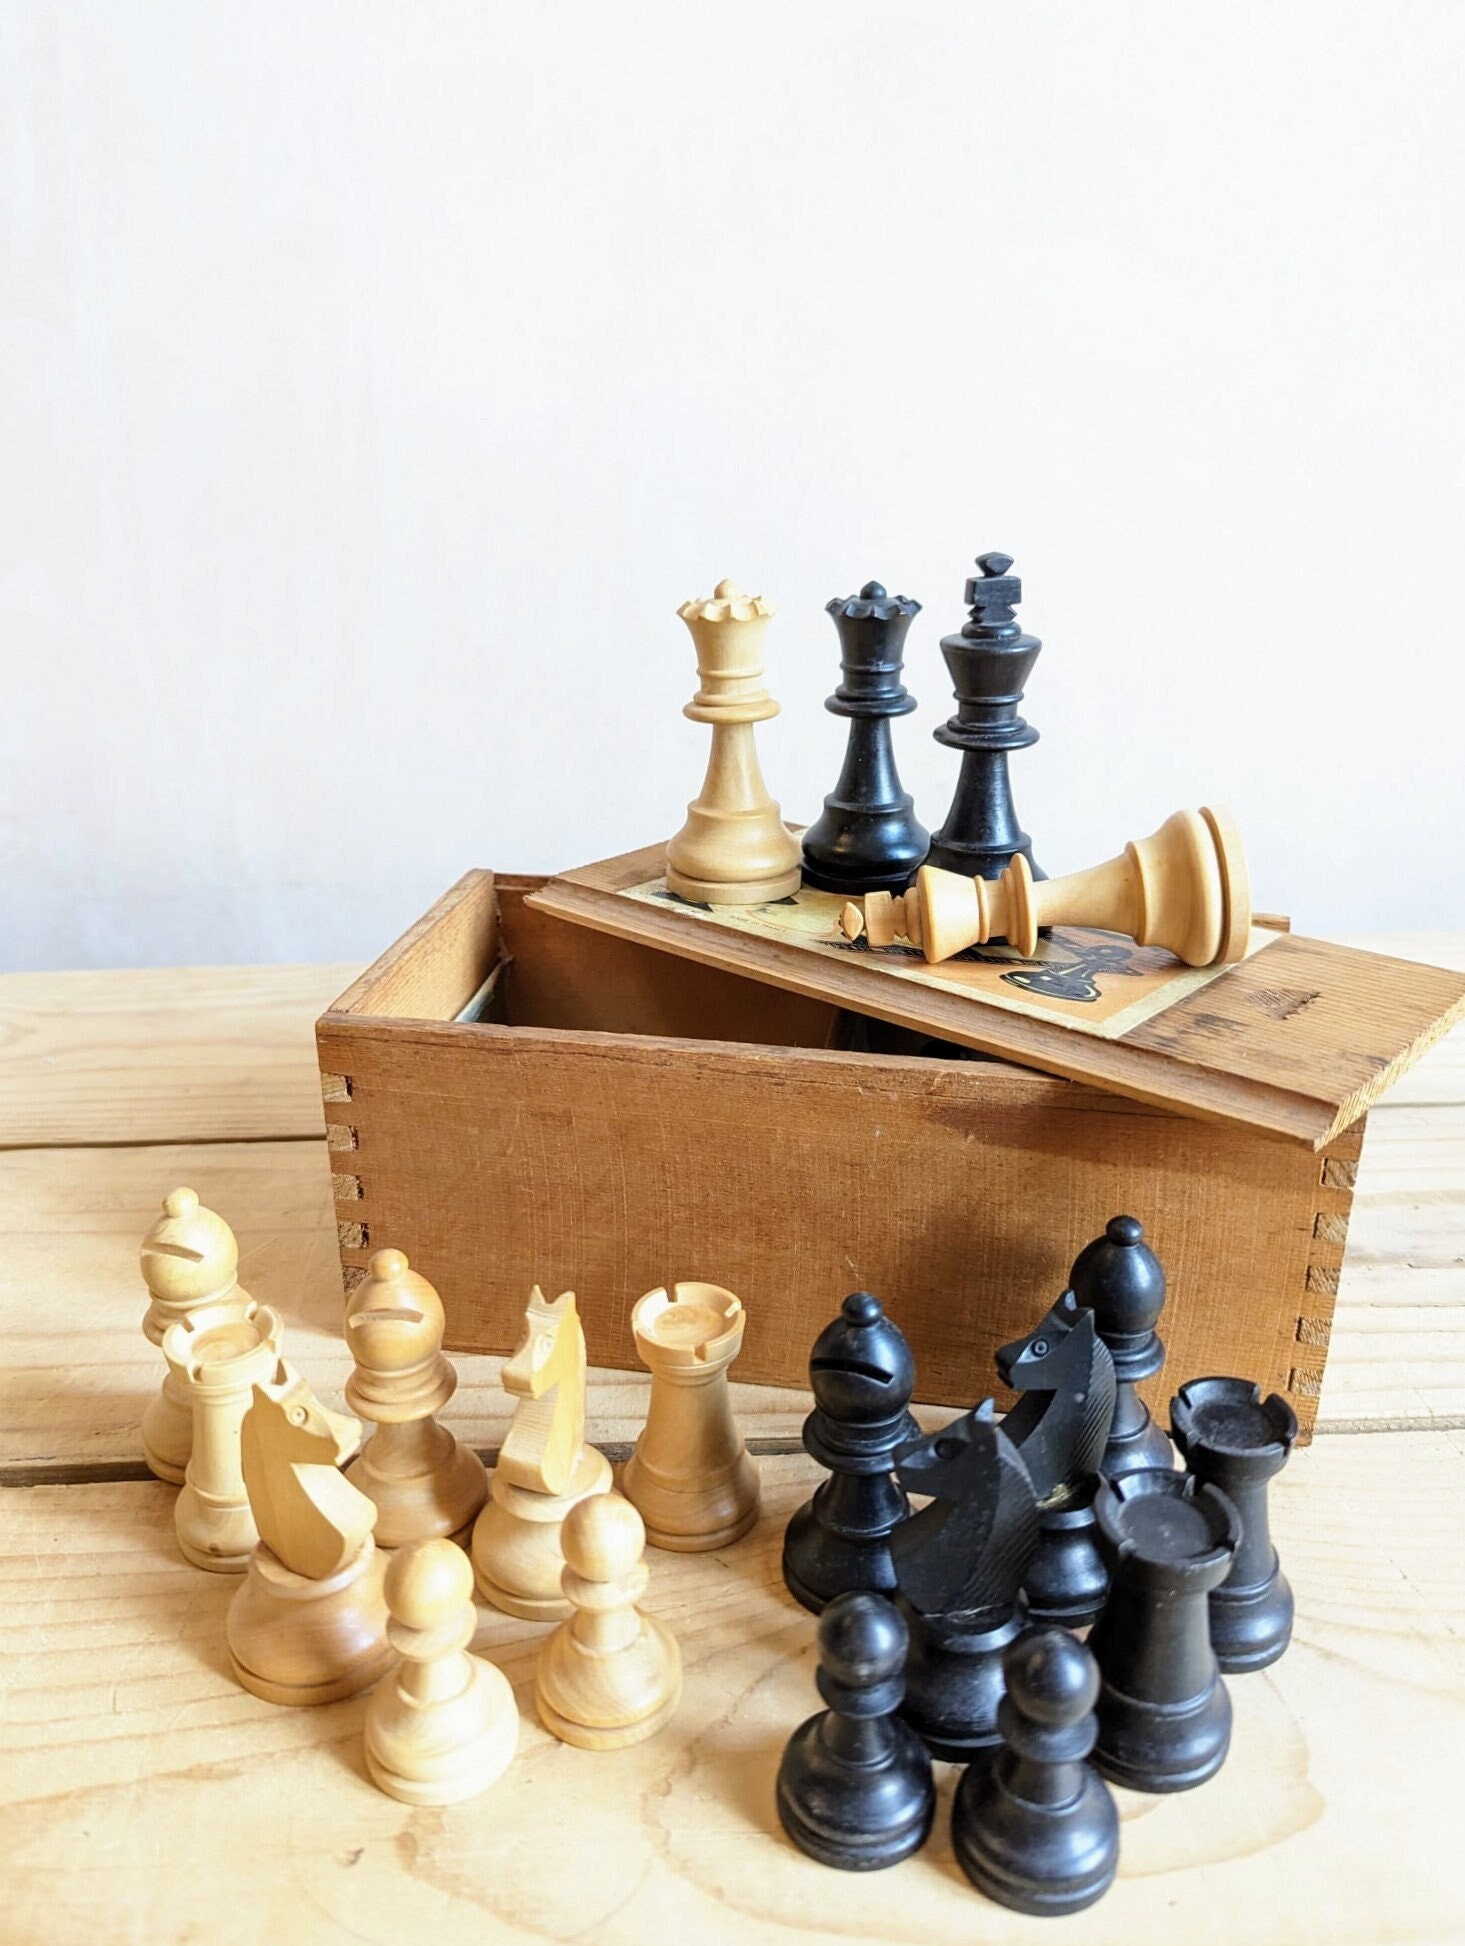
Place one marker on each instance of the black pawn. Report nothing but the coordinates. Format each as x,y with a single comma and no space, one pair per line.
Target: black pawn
1164,1714
854,1788
1120,1279
990,661
1033,1826
960,1564
1232,1438
867,838
862,1375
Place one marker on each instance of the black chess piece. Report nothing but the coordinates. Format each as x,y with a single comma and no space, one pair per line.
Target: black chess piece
1164,1712
959,1567
1032,1824
1120,1279
862,1375
990,661
1232,1438
1060,1425
867,838
854,1788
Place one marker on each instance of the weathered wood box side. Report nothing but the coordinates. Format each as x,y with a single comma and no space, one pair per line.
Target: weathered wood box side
605,1118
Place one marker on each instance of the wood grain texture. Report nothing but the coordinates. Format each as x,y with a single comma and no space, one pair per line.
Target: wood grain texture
197,1054
1299,1040
79,1373
144,1788
499,1157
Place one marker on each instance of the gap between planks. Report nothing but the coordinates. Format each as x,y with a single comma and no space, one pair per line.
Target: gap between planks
78,1473
84,1473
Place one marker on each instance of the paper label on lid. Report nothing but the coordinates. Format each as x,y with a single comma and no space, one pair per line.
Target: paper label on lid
1099,983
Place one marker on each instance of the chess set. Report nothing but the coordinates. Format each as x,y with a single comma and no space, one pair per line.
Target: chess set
948,1633
1042,1597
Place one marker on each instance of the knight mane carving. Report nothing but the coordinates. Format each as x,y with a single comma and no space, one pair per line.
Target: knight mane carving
547,1374
967,1550
1065,1375
291,1448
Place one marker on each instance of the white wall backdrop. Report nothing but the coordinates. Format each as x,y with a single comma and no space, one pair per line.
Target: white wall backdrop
379,375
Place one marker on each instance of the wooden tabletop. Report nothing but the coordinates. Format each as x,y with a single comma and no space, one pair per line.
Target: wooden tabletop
150,1799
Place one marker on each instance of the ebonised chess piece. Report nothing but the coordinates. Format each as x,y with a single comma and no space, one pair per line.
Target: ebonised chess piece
1164,1712
1232,1438
1060,1425
1120,1279
868,837
855,1788
862,1374
1032,1824
959,1565
990,661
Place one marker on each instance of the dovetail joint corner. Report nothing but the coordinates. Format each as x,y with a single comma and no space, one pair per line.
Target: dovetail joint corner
336,1087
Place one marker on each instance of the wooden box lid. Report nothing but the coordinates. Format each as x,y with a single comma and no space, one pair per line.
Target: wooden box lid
1298,1039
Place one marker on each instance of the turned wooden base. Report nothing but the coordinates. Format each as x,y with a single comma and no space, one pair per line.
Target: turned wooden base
478,1728
298,1642
693,1518
610,1697
517,1559
442,1501
752,891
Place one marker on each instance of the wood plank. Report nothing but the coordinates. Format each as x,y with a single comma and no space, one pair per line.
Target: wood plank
1299,1040
148,1798
201,1054
78,1371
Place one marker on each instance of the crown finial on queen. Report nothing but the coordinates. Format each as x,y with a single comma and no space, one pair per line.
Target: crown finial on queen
734,848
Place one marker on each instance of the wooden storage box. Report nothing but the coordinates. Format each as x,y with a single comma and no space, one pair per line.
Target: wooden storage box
514,1099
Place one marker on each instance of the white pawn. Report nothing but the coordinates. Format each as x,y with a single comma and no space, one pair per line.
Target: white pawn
190,1262
444,1724
610,1676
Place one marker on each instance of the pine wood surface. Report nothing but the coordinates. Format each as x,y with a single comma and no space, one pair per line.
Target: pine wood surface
1300,1040
150,1799
191,1054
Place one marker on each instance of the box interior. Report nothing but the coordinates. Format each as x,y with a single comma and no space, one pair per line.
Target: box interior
483,954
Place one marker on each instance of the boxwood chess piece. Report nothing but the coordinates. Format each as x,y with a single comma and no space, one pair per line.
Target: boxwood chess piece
691,1478
190,1263
1232,1438
867,837
734,848
1185,888
1121,1280
1032,1824
1164,1713
424,1482
854,1788
862,1376
990,662
444,1724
